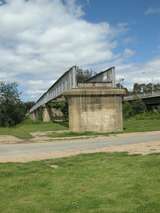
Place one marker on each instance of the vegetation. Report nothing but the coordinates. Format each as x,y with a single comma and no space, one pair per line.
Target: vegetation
25,129
84,75
62,106
12,110
141,122
145,88
75,134
147,121
109,183
134,108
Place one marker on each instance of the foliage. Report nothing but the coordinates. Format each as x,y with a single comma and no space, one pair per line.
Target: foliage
24,129
63,134
106,183
131,109
148,116
28,105
145,88
138,106
140,122
62,106
84,75
143,122
12,110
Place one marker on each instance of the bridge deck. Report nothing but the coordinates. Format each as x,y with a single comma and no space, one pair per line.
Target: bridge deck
142,96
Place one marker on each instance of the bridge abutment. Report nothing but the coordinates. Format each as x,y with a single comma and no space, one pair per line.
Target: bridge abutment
96,109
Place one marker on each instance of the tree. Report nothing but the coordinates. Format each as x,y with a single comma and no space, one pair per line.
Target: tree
29,105
133,108
12,110
84,75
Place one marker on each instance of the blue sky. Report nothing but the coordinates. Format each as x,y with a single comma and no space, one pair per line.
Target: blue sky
41,39
143,33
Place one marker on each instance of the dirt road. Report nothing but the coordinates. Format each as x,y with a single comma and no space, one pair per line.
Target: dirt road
146,142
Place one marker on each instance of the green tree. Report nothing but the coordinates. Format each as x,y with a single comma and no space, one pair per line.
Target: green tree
127,110
12,110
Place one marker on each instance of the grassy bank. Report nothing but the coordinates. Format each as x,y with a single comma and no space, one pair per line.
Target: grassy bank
24,129
142,122
109,183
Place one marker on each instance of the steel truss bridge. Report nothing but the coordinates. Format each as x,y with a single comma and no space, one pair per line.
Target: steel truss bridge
69,81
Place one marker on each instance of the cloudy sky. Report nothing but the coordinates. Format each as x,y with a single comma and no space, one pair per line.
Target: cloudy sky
40,39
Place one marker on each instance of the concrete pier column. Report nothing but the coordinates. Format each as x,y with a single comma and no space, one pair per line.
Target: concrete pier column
96,109
45,114
33,116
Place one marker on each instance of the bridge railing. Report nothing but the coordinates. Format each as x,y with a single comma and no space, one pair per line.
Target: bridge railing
141,96
69,81
66,82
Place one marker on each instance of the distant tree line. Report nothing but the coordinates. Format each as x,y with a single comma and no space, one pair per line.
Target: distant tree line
141,88
145,88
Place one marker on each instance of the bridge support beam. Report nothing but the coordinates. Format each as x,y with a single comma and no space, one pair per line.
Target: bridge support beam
45,114
96,109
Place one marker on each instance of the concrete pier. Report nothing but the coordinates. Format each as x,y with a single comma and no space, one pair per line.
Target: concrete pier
33,116
45,114
96,109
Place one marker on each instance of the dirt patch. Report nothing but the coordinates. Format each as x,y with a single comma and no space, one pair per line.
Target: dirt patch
7,139
140,148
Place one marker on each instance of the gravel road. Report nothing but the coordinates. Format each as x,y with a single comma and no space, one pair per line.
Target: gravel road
36,151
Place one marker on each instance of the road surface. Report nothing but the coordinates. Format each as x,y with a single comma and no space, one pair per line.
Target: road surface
36,151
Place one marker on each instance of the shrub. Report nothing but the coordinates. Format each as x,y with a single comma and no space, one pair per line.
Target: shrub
133,108
12,110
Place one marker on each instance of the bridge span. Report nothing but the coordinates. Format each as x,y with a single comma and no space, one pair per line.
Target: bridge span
152,100
69,81
94,105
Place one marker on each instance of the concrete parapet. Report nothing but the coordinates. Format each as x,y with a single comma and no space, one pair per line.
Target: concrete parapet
95,109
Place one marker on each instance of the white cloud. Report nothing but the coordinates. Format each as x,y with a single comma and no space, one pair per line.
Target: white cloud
128,53
152,11
140,73
41,39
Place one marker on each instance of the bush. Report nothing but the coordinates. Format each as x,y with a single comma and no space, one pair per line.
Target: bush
12,110
62,106
133,108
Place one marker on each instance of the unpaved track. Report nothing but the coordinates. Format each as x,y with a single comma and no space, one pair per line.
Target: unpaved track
146,142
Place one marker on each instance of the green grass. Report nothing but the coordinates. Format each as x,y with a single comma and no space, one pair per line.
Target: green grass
94,183
143,122
75,134
24,129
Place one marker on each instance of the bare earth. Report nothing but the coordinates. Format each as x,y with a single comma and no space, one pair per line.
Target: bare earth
16,150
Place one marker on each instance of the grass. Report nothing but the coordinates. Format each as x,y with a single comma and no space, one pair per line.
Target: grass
24,129
143,122
94,183
75,134
140,123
